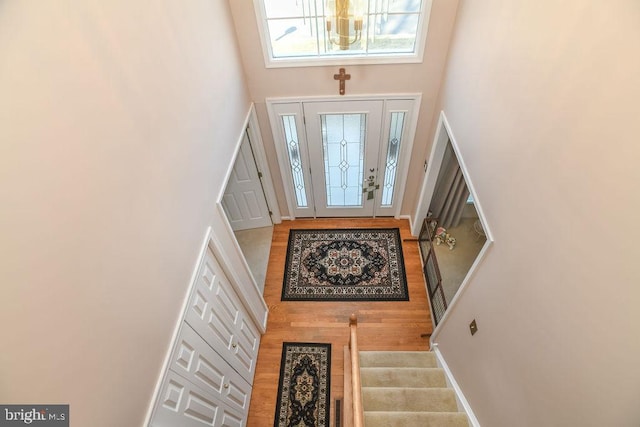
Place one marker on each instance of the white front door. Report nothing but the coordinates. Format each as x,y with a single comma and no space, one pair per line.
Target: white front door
244,201
343,140
344,157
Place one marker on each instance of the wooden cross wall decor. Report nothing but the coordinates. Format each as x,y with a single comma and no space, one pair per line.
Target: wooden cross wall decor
342,76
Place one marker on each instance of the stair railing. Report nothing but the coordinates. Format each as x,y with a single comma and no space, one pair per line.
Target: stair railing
356,386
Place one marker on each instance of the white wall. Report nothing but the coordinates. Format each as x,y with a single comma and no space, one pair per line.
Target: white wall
542,98
424,78
117,123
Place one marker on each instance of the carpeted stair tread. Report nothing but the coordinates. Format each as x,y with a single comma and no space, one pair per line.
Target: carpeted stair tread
416,359
402,377
408,399
415,419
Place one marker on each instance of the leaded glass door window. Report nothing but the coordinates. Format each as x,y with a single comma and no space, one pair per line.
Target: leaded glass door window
293,158
344,141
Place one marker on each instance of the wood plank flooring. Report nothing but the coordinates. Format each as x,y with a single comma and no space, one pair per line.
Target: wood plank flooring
381,325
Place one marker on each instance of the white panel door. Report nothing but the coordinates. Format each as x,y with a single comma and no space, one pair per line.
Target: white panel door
184,404
243,200
217,315
343,141
231,419
196,361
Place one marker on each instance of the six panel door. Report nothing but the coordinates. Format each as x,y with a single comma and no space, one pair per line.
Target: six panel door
216,314
243,200
195,360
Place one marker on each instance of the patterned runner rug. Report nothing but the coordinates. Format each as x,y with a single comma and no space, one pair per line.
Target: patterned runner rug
304,388
345,265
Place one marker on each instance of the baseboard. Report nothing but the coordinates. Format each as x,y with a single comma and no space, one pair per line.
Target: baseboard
463,404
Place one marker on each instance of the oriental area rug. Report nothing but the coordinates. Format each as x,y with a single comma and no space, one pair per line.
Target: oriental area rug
345,265
304,387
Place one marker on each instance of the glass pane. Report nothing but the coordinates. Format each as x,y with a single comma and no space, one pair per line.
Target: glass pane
431,273
403,6
293,148
425,247
343,151
392,33
391,162
284,9
293,37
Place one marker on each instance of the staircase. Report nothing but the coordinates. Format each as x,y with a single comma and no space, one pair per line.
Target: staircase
406,389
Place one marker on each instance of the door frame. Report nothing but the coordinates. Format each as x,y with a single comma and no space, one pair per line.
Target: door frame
233,255
405,149
443,136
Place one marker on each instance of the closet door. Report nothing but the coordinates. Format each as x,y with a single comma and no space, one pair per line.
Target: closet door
211,367
193,359
217,315
184,404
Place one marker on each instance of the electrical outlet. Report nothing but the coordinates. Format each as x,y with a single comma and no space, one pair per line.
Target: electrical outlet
473,327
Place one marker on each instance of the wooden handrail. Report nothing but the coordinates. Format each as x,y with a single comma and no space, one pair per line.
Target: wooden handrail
356,387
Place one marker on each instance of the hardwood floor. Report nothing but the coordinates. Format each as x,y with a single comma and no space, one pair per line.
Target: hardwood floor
381,325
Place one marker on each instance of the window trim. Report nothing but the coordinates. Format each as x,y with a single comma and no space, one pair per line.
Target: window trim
323,61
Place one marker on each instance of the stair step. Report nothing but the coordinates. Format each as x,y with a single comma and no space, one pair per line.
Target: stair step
415,359
415,419
402,377
391,399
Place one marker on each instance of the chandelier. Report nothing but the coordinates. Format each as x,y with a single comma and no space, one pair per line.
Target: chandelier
344,12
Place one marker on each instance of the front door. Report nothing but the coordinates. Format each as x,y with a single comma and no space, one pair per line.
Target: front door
344,157
343,140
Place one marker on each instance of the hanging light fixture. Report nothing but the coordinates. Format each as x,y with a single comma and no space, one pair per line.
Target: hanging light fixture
344,12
